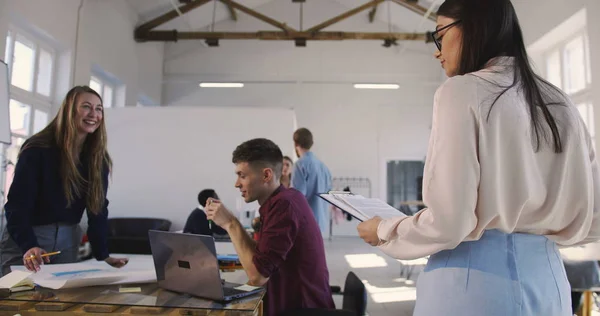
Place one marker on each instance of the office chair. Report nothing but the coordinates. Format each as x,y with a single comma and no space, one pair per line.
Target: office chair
354,302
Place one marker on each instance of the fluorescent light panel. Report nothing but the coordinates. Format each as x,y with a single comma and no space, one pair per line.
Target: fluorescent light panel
221,85
376,86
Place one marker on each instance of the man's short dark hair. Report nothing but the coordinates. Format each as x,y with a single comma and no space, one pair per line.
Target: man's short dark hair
303,138
205,194
260,152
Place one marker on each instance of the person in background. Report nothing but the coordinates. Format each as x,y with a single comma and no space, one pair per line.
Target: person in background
511,173
197,223
61,171
311,177
289,257
286,174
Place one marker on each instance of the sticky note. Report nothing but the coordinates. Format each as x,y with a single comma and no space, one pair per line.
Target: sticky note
130,290
246,288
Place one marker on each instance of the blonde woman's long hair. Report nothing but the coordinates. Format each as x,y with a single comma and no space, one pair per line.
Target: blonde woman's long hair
62,133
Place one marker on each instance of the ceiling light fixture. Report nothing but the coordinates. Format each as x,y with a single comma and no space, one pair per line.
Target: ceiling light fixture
376,86
221,85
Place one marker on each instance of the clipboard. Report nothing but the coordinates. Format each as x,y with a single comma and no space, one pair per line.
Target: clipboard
330,198
363,213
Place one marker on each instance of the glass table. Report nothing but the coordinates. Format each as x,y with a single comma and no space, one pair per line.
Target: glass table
150,299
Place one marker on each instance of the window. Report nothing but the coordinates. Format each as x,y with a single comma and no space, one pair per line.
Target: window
8,48
586,110
574,64
19,118
32,71
104,89
11,160
44,78
23,64
568,67
40,120
31,64
553,69
404,184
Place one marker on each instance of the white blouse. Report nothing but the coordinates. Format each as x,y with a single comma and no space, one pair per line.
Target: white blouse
484,173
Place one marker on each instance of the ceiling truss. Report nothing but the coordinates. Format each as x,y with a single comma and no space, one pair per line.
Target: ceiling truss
146,32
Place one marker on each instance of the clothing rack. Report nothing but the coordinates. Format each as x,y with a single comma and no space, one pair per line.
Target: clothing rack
357,185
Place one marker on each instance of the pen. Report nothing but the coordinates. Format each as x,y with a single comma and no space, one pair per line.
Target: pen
210,222
44,255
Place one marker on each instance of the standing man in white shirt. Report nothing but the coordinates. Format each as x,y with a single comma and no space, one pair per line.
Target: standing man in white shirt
511,173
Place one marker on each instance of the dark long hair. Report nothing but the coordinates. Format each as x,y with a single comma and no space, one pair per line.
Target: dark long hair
490,28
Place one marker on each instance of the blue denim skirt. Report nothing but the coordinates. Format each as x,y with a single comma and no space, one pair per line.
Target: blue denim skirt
499,274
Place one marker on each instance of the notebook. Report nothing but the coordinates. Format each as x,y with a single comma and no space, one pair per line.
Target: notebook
17,281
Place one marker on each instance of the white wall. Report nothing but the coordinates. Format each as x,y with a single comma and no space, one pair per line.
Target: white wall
164,156
105,39
538,17
354,130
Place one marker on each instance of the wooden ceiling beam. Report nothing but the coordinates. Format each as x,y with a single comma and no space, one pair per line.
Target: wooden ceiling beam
232,12
259,16
415,7
160,20
343,16
279,35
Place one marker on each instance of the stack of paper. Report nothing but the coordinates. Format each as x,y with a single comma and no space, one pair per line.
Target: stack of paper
360,207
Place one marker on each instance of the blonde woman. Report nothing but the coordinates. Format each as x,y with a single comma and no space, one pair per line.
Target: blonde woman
62,171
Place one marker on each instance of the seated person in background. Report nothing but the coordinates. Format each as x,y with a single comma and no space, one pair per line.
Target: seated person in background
289,257
197,223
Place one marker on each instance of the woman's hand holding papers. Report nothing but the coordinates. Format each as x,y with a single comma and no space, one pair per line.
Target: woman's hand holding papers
367,230
218,213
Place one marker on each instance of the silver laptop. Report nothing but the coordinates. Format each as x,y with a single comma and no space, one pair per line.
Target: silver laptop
187,263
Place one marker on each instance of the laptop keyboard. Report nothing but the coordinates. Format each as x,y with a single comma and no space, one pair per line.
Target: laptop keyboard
228,291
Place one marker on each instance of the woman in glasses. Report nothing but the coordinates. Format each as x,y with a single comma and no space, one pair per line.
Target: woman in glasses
510,174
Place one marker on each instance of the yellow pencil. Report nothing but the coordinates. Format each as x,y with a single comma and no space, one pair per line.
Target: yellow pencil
44,255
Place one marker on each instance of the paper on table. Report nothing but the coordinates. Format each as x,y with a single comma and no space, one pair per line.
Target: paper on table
73,275
246,288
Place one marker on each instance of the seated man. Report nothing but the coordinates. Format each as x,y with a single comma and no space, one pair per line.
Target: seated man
289,257
197,223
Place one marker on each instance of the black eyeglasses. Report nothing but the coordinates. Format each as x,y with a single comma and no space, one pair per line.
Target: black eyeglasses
438,40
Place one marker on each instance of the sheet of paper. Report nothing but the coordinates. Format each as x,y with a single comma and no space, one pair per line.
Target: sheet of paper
73,275
362,208
246,288
372,207
16,279
333,199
